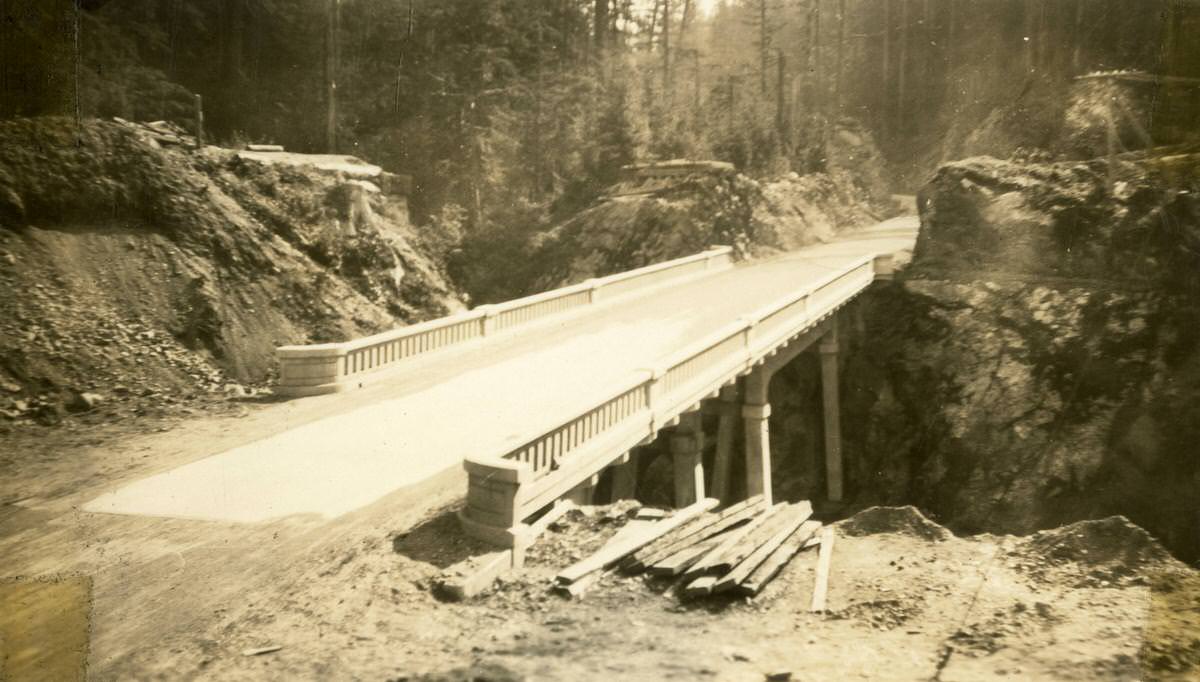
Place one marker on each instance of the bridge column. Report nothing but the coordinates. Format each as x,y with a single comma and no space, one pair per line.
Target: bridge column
832,410
624,482
687,448
729,410
756,413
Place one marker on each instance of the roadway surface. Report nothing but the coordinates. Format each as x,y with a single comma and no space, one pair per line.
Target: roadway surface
478,399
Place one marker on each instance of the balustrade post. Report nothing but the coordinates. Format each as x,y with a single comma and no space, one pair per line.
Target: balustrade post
653,391
487,321
748,334
593,290
832,407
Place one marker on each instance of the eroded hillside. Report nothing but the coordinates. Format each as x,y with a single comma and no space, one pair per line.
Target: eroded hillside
138,275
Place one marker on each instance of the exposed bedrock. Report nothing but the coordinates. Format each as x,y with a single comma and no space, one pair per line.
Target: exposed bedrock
1038,363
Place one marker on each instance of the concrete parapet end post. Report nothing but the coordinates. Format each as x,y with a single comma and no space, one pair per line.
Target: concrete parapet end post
311,370
494,502
593,288
885,266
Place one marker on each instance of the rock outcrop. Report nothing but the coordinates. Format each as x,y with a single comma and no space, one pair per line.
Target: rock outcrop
1040,361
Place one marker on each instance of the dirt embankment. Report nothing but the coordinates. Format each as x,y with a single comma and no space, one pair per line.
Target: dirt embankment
1039,362
135,277
907,601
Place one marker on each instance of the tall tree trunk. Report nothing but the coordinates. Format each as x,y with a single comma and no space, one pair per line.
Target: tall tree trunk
818,73
539,162
952,31
838,74
666,48
654,20
781,126
1077,40
763,45
600,25
902,70
885,85
332,21
1030,19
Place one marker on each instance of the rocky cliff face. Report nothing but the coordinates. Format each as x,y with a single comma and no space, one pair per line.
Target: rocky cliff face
139,271
1039,363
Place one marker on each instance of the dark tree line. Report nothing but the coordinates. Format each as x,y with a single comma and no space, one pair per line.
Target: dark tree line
512,113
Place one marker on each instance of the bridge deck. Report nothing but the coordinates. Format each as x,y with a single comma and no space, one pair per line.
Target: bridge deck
398,432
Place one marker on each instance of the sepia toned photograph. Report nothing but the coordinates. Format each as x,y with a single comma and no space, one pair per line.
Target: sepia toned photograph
540,340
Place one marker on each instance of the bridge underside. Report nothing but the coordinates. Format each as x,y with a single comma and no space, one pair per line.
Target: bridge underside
741,402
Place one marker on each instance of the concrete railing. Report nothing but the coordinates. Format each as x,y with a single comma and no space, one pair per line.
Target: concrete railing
332,367
507,487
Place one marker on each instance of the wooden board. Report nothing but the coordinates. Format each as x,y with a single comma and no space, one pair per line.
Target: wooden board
610,554
473,575
700,587
793,519
763,534
708,563
577,589
701,529
680,561
824,559
766,571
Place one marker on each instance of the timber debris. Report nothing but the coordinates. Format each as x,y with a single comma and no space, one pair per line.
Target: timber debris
738,550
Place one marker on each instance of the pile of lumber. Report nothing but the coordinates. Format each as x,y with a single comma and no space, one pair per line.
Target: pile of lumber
737,550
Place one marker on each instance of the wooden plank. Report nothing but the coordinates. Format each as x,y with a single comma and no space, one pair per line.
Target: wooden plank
577,589
709,562
611,554
694,532
700,587
473,575
760,535
555,513
766,571
680,561
794,518
824,559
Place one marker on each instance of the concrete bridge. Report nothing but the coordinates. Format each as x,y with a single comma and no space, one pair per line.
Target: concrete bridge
699,334
535,398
